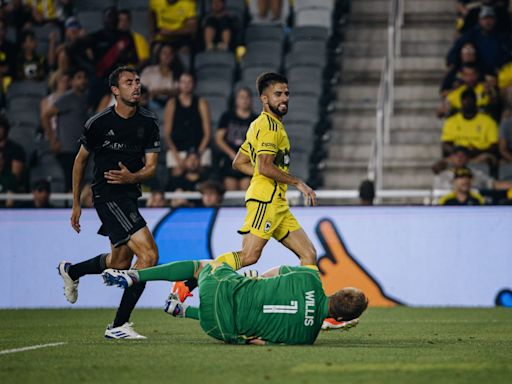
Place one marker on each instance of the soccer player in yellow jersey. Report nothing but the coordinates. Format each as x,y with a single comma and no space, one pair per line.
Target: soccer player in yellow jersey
265,155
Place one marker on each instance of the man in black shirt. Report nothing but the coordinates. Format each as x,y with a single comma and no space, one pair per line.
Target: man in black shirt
119,138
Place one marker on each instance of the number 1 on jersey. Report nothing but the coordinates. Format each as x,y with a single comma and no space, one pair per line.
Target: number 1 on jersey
289,309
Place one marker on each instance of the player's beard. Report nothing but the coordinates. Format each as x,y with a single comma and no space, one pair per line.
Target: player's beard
128,102
275,110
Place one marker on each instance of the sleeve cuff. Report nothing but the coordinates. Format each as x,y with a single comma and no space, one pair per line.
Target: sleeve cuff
151,150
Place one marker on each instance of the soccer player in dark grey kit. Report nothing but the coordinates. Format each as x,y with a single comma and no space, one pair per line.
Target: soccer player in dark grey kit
120,138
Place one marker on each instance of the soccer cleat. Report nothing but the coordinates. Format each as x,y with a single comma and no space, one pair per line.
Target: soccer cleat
70,285
174,306
124,331
123,279
181,290
330,323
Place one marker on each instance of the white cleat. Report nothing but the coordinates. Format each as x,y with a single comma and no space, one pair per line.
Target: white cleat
121,278
330,324
124,331
70,285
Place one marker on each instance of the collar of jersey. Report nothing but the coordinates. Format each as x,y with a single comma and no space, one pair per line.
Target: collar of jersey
273,118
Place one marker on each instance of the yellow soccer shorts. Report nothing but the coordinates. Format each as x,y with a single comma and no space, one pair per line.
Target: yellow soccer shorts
268,220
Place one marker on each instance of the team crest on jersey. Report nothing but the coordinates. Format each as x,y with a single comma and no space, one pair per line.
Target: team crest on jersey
268,224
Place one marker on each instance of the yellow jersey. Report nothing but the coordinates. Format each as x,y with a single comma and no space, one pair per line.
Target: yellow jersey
172,16
266,134
482,98
505,76
478,133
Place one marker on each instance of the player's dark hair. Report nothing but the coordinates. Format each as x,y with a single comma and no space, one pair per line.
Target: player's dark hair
126,12
113,78
268,78
468,93
348,304
74,70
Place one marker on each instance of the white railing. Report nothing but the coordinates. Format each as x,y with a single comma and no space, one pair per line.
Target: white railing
237,197
385,96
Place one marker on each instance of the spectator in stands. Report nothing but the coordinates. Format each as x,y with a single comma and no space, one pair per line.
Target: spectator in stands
218,27
192,175
58,83
141,44
462,193
41,191
454,77
486,93
7,53
492,47
8,183
186,126
47,11
72,53
161,79
212,194
157,199
174,22
481,180
30,65
18,15
230,135
469,12
109,48
366,193
71,111
505,140
13,154
471,129
269,10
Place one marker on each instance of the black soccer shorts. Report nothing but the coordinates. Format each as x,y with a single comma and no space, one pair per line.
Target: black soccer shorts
120,219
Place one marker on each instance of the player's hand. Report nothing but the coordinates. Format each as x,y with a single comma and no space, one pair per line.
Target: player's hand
75,218
121,176
309,194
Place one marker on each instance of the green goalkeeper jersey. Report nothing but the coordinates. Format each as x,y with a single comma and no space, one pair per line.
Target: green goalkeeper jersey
288,308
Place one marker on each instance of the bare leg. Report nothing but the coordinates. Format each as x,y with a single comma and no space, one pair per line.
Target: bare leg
300,244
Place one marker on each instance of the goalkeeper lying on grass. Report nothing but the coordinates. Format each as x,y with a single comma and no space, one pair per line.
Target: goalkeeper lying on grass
288,306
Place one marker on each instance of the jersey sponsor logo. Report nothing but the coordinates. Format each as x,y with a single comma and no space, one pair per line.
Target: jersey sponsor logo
309,319
291,309
269,145
120,146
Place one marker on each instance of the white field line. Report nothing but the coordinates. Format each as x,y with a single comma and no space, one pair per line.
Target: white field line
30,348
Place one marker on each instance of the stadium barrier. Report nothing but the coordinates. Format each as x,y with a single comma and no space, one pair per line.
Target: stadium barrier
418,256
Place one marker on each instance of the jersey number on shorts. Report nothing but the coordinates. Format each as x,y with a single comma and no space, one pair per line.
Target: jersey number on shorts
289,309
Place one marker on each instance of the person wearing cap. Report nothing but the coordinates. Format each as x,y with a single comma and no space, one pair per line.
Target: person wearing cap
469,13
492,47
70,53
471,129
212,194
481,180
461,193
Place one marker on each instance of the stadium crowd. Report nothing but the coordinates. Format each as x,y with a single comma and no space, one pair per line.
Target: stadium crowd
476,93
198,62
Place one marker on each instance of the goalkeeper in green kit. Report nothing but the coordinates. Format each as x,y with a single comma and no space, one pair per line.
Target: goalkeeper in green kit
286,306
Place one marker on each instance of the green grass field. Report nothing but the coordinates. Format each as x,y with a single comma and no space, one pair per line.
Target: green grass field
401,345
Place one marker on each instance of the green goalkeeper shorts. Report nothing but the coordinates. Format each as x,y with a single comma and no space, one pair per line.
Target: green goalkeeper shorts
216,308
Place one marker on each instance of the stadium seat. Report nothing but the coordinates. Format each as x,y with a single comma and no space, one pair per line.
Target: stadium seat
96,5
249,75
304,104
316,48
253,11
305,59
140,22
264,33
483,167
217,105
209,87
133,4
314,17
505,171
24,110
221,73
48,168
24,134
306,88
91,21
314,33
299,5
36,89
215,59
297,74
262,53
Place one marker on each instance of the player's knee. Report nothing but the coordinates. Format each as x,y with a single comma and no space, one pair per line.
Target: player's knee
249,258
148,259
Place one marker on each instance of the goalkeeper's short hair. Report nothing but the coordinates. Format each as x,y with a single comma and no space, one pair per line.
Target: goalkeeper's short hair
348,303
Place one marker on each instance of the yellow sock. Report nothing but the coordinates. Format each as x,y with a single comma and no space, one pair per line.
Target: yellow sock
232,259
